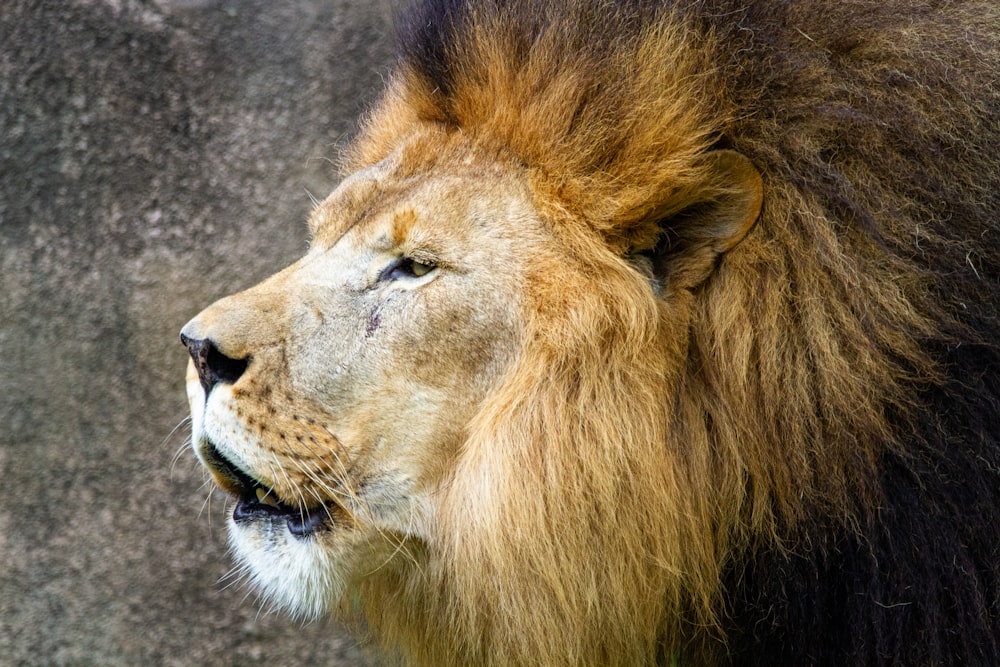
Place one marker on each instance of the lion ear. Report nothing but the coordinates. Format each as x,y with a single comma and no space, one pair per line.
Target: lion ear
715,217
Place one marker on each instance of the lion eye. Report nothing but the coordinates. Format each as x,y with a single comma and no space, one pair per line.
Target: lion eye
406,267
419,268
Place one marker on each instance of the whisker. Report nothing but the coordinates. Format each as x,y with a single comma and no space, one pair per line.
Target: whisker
183,422
237,575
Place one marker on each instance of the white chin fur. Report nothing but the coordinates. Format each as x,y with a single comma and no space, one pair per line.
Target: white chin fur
294,574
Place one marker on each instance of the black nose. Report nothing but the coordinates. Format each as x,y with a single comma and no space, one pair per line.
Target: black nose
213,366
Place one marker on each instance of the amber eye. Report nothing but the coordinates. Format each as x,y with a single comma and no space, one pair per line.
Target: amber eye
419,268
406,267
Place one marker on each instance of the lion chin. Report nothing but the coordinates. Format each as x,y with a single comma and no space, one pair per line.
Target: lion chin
664,333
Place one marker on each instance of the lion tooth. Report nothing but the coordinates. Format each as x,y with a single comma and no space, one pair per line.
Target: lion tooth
264,496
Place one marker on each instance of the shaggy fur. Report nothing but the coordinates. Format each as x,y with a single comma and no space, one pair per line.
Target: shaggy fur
783,455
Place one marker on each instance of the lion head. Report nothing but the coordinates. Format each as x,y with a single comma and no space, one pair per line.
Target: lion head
579,346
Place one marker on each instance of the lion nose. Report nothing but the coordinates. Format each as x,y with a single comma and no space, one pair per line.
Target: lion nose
213,366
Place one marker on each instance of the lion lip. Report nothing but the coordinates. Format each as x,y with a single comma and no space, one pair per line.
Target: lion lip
256,501
301,522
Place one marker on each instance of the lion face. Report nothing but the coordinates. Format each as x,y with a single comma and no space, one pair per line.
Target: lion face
330,399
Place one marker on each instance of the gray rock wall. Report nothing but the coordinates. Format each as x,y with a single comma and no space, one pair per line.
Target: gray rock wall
154,156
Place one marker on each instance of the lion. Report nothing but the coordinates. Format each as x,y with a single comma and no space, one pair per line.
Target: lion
638,333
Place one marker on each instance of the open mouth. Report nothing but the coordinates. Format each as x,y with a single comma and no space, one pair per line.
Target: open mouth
256,501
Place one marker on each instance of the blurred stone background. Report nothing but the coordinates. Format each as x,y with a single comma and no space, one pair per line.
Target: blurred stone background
154,156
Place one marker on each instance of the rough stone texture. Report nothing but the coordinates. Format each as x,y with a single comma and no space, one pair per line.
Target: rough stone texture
154,156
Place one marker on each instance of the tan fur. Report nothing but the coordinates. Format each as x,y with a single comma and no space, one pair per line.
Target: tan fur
597,450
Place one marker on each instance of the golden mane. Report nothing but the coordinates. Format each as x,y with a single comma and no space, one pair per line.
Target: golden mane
754,417
559,110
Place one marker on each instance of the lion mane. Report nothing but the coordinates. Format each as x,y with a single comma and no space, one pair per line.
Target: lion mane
777,447
798,462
